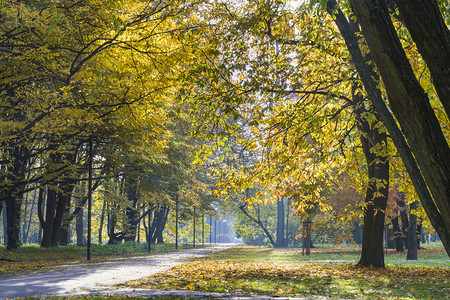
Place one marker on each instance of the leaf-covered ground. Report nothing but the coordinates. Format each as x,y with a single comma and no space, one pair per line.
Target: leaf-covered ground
249,270
31,257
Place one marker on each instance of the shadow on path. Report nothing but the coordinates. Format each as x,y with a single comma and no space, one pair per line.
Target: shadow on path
94,277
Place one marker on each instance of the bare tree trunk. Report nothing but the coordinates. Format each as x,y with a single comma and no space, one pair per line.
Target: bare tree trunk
102,219
280,224
24,217
79,227
25,237
5,231
412,234
397,235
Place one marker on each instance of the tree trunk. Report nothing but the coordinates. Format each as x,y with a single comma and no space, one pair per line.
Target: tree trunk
30,218
412,234
130,228
287,223
431,35
411,105
280,225
79,227
102,219
64,236
372,253
257,221
13,211
419,232
114,238
403,148
24,217
397,234
159,223
49,219
41,206
5,226
16,174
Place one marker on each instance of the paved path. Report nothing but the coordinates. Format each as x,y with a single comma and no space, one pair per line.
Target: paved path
95,277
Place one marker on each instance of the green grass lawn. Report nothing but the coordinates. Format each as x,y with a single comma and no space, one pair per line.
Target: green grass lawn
286,272
431,256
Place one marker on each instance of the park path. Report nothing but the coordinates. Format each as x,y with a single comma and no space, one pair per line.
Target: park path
95,277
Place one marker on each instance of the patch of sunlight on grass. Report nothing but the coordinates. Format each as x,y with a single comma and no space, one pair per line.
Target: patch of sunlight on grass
261,271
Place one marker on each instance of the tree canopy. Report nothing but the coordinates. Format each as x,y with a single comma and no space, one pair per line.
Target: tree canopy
334,105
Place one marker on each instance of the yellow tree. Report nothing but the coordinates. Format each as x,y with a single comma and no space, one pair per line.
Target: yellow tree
71,69
285,77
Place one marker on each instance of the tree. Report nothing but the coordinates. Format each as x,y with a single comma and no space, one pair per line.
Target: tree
419,122
69,71
299,120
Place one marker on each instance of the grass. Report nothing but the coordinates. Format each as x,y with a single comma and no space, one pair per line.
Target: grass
431,256
285,272
32,257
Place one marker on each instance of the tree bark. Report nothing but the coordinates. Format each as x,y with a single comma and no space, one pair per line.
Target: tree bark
102,220
5,226
412,234
64,236
436,217
131,212
14,194
79,227
25,237
49,219
397,235
280,225
159,223
375,202
431,35
413,110
24,217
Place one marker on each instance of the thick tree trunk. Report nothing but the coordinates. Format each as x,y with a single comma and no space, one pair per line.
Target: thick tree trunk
375,202
131,212
49,219
432,37
280,225
114,238
64,236
372,244
411,106
159,223
14,195
13,204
